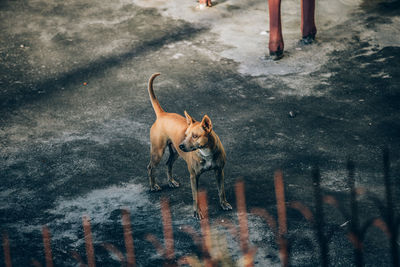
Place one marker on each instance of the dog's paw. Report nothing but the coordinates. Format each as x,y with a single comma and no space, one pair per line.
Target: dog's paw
173,183
198,214
155,188
225,205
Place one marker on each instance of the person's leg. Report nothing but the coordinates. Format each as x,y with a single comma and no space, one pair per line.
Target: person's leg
308,29
275,29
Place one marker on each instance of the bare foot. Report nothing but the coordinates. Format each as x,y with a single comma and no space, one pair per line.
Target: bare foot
307,40
276,55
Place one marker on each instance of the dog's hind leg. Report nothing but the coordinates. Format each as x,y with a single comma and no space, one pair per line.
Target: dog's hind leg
173,155
156,152
155,158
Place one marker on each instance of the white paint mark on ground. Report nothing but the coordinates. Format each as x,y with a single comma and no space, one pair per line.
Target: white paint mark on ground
98,205
178,55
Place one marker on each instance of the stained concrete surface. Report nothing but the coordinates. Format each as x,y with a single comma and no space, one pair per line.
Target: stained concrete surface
75,119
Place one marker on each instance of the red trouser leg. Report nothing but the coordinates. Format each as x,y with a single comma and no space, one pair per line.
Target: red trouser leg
275,28
205,2
308,28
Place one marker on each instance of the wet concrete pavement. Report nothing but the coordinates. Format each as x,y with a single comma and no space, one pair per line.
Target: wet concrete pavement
75,120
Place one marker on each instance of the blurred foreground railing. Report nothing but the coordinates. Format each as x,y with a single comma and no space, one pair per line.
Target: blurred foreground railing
387,221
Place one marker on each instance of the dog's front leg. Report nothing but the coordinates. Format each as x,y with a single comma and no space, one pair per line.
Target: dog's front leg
219,175
194,183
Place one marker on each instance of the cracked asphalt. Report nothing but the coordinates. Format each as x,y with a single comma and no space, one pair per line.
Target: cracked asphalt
75,119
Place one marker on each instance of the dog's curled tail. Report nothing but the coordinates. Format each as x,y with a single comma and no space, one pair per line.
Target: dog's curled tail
154,102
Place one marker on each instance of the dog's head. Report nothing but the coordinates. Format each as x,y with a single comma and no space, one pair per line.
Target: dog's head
197,133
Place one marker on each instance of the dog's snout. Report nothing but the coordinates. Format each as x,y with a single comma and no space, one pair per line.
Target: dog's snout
182,147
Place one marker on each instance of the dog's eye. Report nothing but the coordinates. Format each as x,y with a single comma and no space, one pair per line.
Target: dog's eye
195,136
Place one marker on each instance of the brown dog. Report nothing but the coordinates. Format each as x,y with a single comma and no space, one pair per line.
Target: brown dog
194,141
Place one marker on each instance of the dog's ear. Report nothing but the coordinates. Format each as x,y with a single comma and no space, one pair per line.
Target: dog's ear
189,119
206,124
